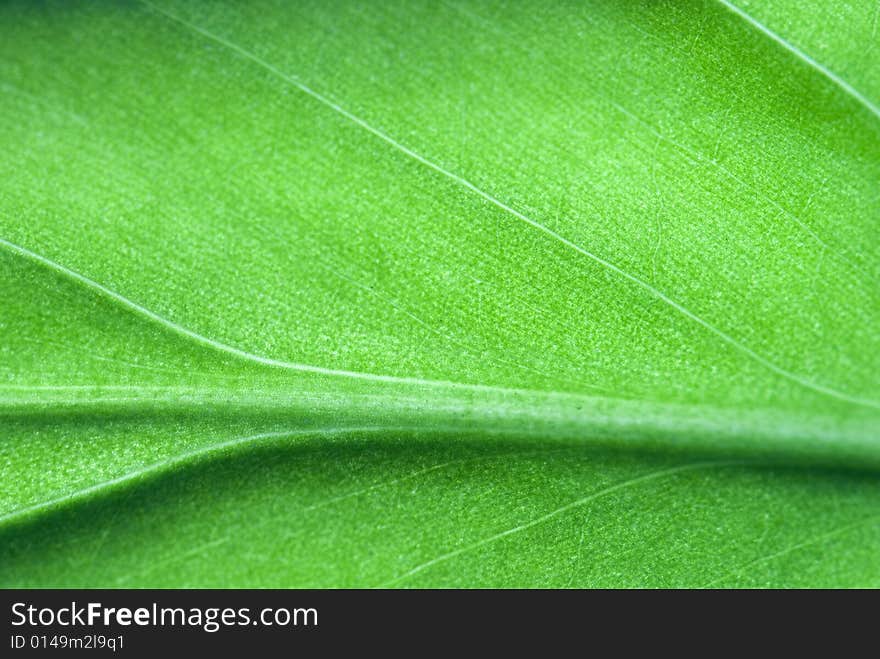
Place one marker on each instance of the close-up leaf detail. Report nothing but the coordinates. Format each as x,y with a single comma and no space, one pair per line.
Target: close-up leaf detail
439,294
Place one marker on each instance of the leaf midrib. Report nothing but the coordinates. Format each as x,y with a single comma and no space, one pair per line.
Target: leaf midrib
207,341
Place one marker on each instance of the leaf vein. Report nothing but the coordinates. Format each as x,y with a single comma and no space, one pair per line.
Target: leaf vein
555,513
724,336
800,54
818,539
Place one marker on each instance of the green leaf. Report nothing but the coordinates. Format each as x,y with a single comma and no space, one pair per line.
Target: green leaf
439,294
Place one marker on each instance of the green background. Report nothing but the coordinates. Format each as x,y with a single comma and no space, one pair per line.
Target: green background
439,294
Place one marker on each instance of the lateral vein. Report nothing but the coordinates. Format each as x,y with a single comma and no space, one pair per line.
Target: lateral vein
818,66
724,336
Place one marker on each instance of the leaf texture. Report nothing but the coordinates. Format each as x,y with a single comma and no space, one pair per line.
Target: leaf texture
439,294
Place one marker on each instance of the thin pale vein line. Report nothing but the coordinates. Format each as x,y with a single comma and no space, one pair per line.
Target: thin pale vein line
42,101
427,470
824,70
173,559
415,474
437,332
829,391
555,513
181,458
242,354
371,377
288,534
726,172
795,547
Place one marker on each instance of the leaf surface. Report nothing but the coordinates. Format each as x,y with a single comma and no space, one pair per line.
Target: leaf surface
439,294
